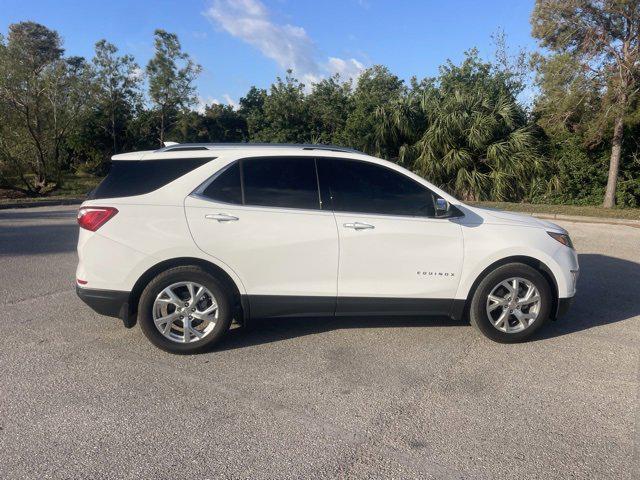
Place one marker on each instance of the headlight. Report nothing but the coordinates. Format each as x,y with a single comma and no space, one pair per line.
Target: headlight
563,238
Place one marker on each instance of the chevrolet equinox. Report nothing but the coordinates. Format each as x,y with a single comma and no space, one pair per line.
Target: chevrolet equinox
190,237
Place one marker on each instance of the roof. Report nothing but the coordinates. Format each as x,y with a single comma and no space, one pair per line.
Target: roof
194,147
218,146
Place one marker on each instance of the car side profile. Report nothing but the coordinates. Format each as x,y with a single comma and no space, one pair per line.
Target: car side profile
188,238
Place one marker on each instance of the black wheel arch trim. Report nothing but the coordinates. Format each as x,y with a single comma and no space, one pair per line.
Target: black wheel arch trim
461,307
239,302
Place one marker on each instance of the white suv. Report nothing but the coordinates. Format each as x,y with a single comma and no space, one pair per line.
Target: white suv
187,238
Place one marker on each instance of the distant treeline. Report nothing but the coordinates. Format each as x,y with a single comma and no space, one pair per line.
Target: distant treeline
559,127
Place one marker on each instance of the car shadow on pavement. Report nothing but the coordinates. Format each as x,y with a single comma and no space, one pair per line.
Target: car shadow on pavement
38,232
279,329
607,293
38,215
38,239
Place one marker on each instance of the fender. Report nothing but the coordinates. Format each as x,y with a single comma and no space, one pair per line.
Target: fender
128,312
471,274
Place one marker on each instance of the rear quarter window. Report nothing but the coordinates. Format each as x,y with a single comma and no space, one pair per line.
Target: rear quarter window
137,177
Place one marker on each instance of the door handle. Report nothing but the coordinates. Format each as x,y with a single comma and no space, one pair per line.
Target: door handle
221,217
359,226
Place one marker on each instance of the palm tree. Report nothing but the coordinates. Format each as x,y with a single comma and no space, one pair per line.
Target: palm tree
475,145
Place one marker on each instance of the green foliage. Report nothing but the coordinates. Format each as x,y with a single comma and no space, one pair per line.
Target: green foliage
582,175
330,104
43,98
117,91
252,110
171,74
467,129
376,87
598,40
219,123
473,138
284,117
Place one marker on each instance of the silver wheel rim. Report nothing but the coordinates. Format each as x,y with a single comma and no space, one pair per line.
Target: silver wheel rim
185,312
513,305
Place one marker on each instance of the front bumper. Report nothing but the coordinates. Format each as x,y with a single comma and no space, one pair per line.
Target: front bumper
112,303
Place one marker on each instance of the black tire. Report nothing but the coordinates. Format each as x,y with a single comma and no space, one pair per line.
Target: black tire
184,274
478,312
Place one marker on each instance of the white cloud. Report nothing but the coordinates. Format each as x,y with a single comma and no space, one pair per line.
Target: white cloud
349,68
204,102
230,101
288,45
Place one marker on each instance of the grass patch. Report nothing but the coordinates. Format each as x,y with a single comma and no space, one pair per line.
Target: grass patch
574,210
73,186
76,185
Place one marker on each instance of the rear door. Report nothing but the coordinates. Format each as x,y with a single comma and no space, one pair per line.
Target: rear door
395,256
263,218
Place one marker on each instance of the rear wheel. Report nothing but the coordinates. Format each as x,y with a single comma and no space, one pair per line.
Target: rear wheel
184,310
511,303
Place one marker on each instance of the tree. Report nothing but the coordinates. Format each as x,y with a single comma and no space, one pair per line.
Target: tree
476,146
330,104
376,86
285,115
603,36
466,132
117,81
568,108
225,124
171,75
218,123
252,110
43,96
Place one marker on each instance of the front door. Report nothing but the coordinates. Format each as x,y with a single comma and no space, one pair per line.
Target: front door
396,257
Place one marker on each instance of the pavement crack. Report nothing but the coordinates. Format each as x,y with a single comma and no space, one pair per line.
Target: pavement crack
55,293
374,436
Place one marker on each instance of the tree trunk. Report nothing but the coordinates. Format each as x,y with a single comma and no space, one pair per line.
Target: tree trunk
113,131
162,128
41,175
614,163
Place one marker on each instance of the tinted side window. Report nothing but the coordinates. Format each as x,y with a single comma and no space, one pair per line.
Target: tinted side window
280,182
226,186
137,177
368,188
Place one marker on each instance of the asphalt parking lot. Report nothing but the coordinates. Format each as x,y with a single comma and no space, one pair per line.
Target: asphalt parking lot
82,397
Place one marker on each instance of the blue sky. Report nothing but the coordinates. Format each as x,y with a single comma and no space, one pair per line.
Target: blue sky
240,43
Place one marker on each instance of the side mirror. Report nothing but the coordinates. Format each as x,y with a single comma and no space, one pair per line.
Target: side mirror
442,207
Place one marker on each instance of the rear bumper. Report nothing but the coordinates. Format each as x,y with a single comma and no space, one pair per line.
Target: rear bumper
563,306
112,303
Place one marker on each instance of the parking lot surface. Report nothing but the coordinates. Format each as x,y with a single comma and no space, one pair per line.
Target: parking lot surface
83,397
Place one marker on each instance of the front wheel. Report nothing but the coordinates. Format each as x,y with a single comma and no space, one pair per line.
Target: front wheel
511,303
184,310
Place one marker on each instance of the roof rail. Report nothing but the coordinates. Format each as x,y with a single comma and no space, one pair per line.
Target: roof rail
183,147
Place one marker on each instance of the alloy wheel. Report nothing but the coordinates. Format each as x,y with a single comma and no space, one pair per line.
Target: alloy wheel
513,305
185,312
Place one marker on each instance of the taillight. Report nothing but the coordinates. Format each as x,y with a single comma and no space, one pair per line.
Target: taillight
92,218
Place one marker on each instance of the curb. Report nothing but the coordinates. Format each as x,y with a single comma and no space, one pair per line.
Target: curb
43,203
583,219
